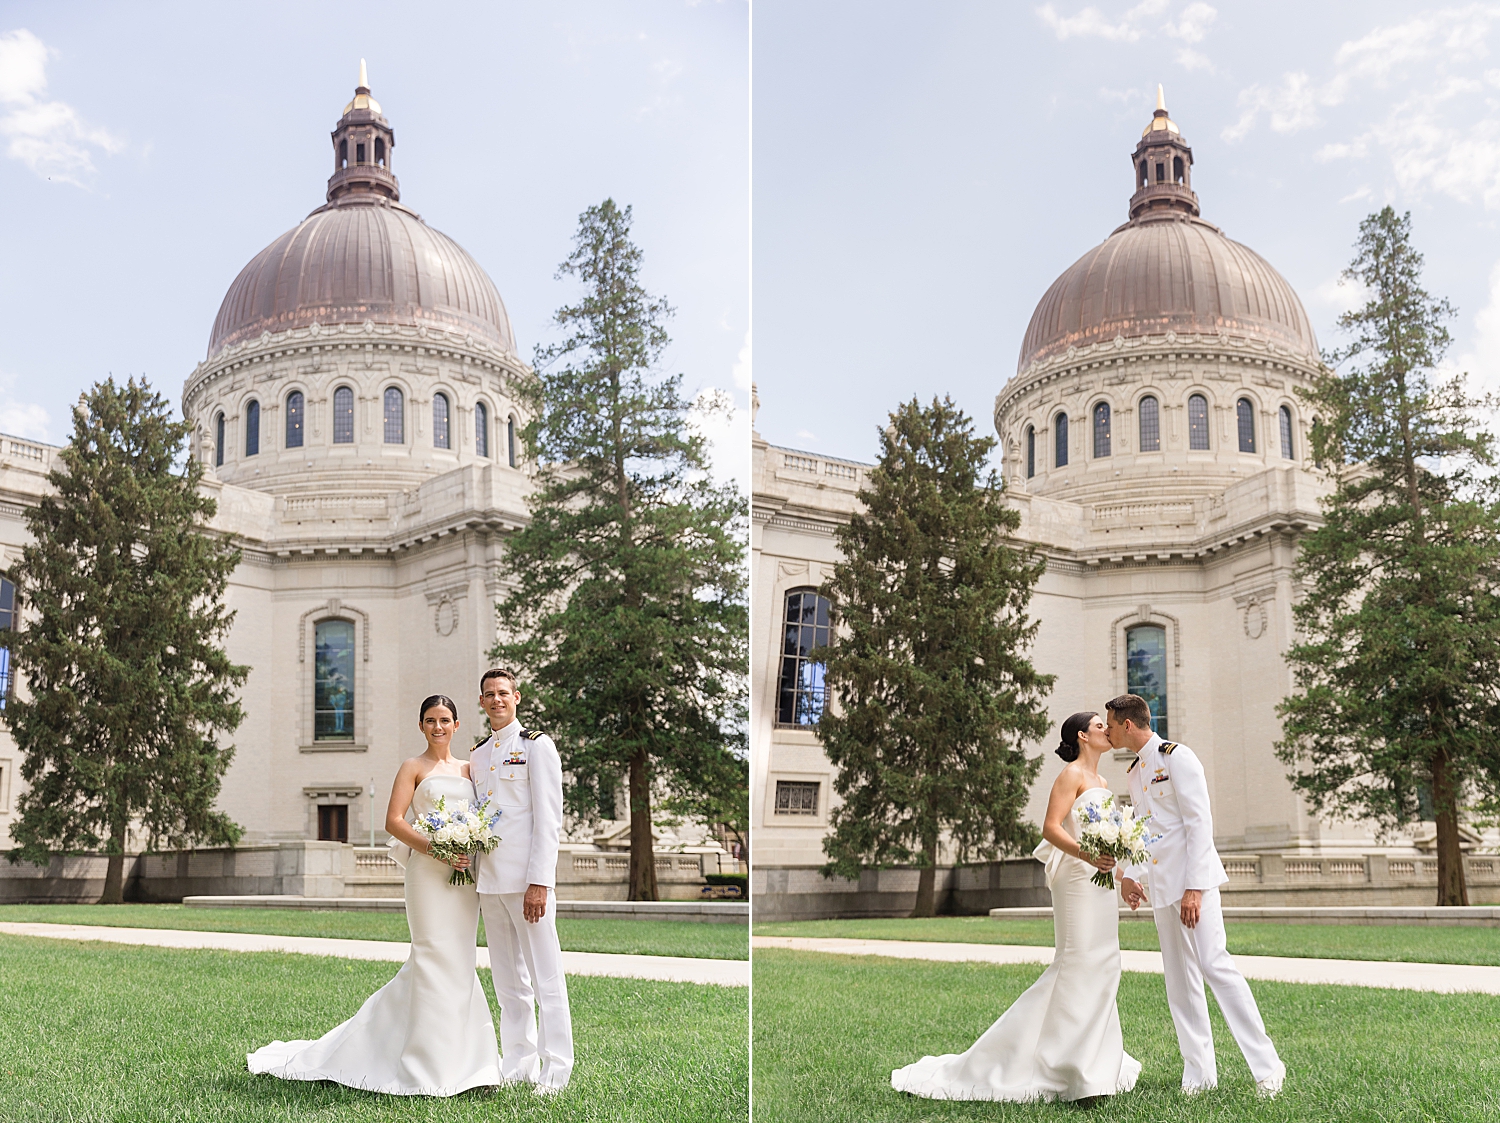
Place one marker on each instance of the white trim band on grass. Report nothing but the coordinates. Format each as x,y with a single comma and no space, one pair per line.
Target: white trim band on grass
659,968
1439,977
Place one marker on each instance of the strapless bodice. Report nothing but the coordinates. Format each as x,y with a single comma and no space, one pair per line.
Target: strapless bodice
454,789
1088,795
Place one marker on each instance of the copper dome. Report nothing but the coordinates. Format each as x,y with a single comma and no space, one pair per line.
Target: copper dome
1166,273
361,261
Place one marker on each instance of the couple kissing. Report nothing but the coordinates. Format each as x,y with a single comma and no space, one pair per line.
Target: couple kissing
1062,1039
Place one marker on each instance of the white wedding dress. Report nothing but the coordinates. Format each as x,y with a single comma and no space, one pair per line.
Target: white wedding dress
428,1031
1061,1039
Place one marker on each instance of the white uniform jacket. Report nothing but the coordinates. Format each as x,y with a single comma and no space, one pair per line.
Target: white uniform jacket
522,772
1167,780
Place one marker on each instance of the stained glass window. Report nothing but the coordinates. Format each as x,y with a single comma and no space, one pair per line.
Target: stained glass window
333,681
800,693
1146,670
1150,425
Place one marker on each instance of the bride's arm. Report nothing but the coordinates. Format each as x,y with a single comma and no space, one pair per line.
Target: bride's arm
395,813
1065,792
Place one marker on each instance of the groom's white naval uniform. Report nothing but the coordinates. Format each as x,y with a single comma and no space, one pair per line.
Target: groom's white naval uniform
1167,780
521,770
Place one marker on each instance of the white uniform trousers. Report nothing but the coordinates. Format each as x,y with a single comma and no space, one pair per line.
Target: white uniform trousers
536,1027
1189,956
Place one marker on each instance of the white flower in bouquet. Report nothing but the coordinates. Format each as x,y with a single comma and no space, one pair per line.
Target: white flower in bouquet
465,831
1106,829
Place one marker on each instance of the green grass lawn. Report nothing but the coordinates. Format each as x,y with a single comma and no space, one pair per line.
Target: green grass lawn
829,1029
1406,943
98,1032
627,937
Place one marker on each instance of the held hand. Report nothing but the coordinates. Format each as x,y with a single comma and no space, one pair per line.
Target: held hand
1133,892
462,862
534,904
1192,904
1103,862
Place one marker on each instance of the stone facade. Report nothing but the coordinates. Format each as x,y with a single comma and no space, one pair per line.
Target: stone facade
1154,444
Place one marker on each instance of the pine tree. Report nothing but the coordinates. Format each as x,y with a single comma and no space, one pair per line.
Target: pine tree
125,686
1399,646
931,695
627,615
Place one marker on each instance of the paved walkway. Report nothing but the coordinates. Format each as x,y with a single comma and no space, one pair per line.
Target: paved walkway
1442,977
662,968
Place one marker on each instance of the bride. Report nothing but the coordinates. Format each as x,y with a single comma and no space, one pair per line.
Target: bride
428,1031
1061,1039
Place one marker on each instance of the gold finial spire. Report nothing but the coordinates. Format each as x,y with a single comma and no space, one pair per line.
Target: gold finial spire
1161,102
364,80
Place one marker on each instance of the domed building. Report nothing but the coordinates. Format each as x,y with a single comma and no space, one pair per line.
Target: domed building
358,419
1154,444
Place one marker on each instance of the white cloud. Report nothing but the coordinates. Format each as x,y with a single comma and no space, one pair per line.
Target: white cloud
49,137
22,419
726,428
1482,361
1191,26
743,374
1355,196
1340,294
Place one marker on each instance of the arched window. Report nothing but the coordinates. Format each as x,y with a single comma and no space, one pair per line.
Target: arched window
294,418
481,429
1244,414
343,416
343,153
1150,425
800,689
380,151
1060,436
7,622
219,441
1286,432
511,452
333,681
252,429
1146,670
1176,169
1030,451
1143,177
395,417
1101,429
440,421
1197,422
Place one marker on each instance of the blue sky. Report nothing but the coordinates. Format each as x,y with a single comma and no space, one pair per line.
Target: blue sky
923,172
149,150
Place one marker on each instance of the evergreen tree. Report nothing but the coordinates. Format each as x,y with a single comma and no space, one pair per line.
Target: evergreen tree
1399,646
931,695
125,684
627,613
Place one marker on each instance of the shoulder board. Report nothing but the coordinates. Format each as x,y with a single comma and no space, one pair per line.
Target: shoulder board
1167,747
531,734
1133,763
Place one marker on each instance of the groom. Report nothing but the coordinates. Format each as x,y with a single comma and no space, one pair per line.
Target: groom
1183,876
519,769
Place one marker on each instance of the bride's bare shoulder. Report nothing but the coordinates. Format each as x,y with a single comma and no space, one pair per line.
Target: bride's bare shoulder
1070,779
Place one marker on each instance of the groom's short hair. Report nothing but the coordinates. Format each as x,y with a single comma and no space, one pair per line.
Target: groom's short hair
1132,708
497,672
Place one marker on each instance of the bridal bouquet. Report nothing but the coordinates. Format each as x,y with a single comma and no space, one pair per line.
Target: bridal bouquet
1108,829
469,830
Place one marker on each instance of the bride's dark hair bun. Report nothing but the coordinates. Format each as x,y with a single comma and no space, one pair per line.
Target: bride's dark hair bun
1078,723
